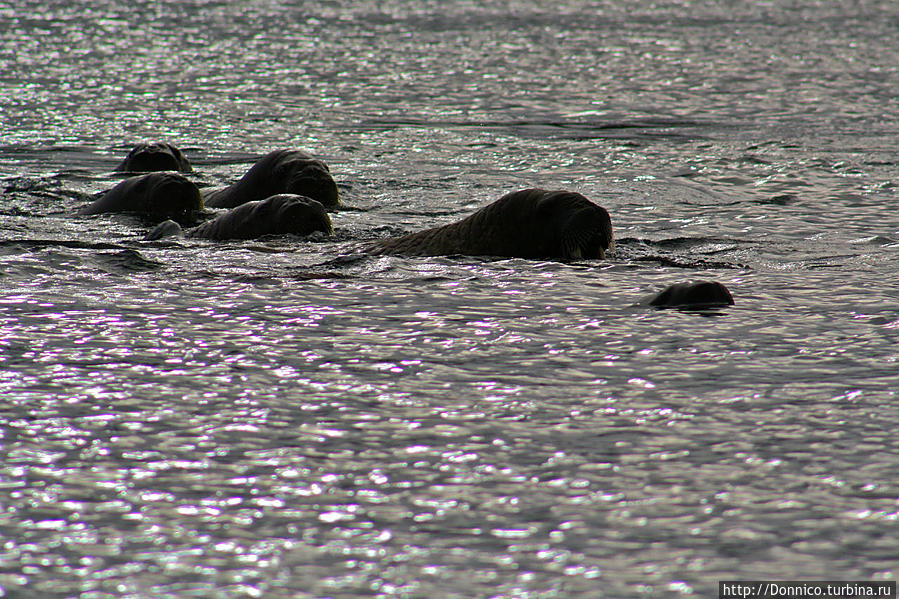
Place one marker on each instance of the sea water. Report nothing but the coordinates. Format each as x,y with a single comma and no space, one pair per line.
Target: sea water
287,418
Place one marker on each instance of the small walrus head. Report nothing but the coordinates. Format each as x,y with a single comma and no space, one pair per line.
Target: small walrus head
172,196
299,215
280,214
578,228
152,157
702,294
156,195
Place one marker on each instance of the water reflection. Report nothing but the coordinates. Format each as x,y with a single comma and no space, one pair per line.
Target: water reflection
189,419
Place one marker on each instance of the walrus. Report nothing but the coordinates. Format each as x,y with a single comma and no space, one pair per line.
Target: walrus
531,223
703,294
151,157
158,195
281,171
277,215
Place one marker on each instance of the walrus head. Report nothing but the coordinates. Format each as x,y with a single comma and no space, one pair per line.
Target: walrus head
276,215
703,294
150,157
278,172
157,195
170,195
298,173
313,180
298,215
574,228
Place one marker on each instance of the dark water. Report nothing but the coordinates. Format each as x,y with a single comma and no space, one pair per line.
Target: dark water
187,418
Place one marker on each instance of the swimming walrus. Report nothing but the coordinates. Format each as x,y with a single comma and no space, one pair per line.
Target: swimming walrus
281,171
532,223
158,195
692,296
151,157
277,215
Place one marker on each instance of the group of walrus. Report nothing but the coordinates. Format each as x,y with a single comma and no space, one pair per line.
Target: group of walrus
291,192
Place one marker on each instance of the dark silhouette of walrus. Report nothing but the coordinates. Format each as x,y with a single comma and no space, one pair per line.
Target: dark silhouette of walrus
532,223
158,195
695,296
277,215
152,157
281,171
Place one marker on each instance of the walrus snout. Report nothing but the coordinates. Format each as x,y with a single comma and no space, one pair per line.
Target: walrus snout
589,234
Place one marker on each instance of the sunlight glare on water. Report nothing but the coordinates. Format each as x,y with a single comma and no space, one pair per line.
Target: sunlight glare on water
290,418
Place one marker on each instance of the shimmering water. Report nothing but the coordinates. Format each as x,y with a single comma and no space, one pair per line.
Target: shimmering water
187,418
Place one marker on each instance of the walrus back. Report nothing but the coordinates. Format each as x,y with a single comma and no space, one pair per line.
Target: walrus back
532,223
166,195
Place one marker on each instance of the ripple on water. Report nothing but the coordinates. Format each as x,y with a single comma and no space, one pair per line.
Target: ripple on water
185,418
502,425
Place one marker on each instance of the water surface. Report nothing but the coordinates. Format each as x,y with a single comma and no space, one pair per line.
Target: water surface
271,418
